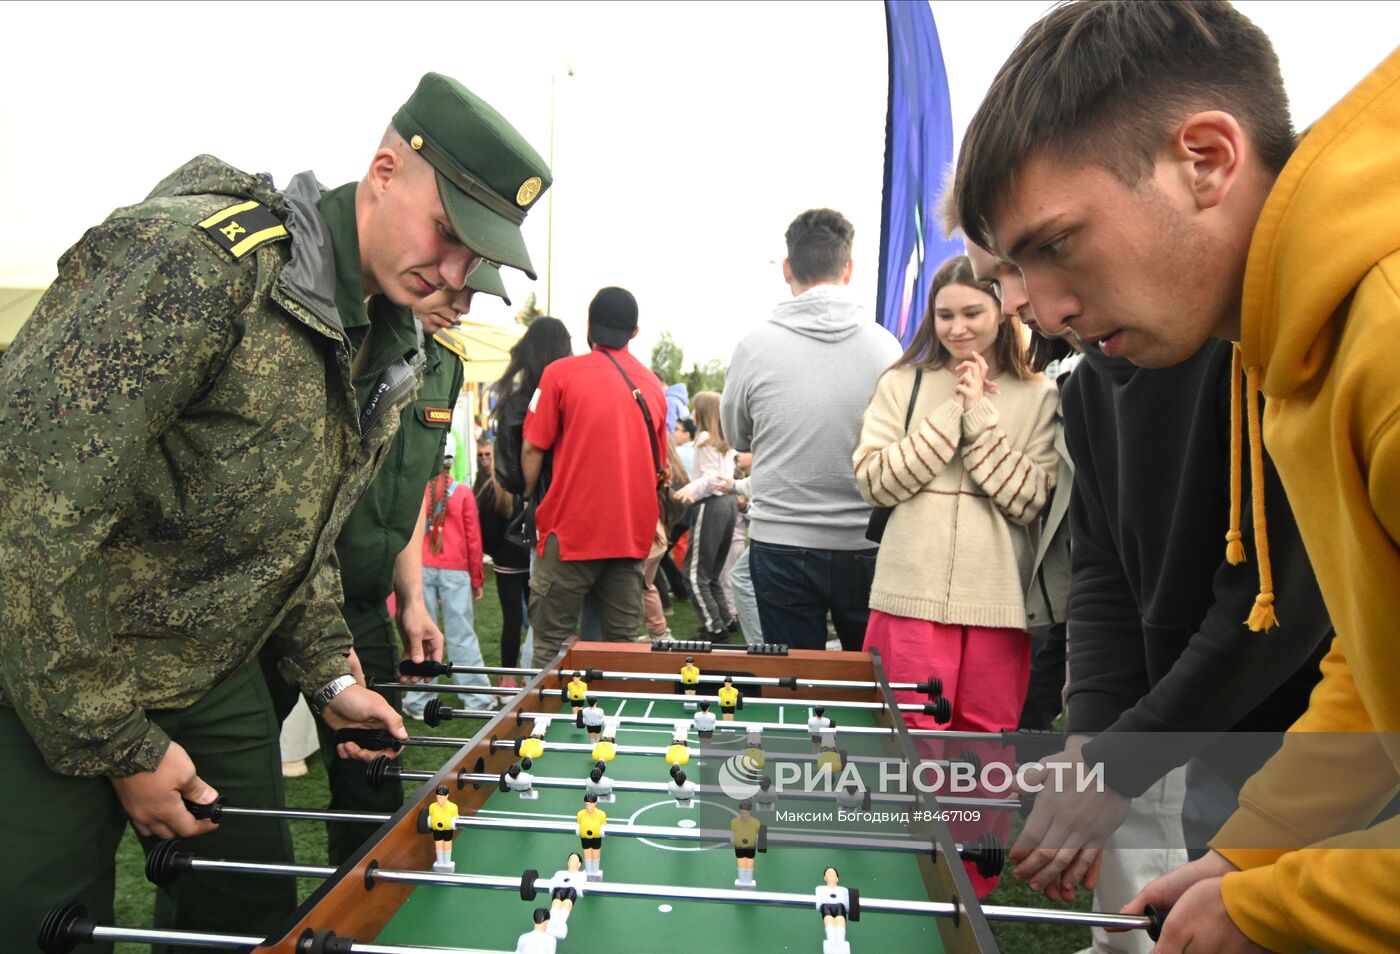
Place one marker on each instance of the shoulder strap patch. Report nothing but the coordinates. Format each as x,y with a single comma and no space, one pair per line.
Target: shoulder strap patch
241,228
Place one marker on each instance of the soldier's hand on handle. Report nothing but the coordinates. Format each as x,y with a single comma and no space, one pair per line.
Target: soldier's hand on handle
422,640
155,801
358,707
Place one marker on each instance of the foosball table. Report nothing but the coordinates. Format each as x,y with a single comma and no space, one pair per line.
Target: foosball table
678,797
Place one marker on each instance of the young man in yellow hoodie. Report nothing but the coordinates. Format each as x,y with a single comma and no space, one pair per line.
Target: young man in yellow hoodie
1138,163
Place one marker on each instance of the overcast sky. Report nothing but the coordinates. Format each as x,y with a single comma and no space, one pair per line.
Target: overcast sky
688,137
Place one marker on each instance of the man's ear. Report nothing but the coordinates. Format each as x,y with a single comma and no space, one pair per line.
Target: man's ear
1209,150
382,169
634,333
850,270
787,272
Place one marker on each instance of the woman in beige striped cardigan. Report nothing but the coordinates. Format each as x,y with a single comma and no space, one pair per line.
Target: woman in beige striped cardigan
967,480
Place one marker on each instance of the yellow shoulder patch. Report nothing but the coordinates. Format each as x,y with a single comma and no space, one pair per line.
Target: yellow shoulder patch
244,227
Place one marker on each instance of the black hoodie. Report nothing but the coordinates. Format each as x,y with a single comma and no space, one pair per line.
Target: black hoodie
1157,639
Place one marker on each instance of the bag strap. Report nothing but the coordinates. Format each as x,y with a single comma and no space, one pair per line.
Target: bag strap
646,415
913,396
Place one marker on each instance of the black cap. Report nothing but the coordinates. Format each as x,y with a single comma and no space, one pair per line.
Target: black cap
612,317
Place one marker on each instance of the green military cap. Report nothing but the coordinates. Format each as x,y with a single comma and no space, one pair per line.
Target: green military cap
487,279
487,174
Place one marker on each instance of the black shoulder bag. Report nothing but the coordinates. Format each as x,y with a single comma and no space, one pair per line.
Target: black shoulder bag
670,508
880,516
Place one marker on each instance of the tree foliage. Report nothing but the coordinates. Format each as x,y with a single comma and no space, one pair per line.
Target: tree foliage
707,377
529,311
667,359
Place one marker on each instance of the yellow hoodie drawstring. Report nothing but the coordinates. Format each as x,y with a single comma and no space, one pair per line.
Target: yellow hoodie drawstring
1234,548
1262,616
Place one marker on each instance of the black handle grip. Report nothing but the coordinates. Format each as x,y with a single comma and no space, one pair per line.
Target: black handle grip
372,739
427,667
1031,745
213,811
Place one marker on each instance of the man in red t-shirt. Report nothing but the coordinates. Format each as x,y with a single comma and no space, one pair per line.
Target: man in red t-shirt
598,517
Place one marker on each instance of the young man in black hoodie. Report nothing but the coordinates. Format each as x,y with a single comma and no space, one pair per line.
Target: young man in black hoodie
1157,638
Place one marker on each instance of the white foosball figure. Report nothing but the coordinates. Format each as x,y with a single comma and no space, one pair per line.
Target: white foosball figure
817,724
850,798
599,784
704,721
766,798
532,747
568,887
833,902
538,940
518,779
680,788
591,718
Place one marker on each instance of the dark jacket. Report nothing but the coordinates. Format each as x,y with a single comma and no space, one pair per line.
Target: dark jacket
510,426
503,553
1157,640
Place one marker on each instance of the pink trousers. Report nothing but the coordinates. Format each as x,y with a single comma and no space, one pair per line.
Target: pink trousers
985,672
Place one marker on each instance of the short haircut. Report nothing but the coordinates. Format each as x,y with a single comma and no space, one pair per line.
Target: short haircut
442,789
590,797
541,915
819,245
1107,82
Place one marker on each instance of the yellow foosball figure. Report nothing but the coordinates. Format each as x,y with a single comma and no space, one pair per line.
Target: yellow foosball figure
591,820
577,691
678,752
690,676
729,698
605,749
442,817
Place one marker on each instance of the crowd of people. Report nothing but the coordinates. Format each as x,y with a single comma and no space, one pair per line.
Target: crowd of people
1070,496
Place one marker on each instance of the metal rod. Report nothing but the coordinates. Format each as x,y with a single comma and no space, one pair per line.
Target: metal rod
383,684
675,677
307,814
482,778
259,867
161,936
506,745
239,941
669,892
793,727
717,835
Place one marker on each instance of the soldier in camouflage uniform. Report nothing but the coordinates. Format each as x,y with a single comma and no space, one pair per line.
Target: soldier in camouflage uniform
380,551
189,417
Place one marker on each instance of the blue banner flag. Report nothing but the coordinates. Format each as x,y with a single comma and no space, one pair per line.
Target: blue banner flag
918,153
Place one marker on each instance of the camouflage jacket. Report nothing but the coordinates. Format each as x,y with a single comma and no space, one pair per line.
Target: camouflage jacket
182,446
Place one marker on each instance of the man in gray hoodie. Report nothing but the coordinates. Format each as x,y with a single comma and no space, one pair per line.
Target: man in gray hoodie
795,395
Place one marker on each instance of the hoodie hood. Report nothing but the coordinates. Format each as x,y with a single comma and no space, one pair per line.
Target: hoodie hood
1328,220
822,312
677,404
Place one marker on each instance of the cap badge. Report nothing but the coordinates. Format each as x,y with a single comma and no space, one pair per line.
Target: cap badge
416,142
528,190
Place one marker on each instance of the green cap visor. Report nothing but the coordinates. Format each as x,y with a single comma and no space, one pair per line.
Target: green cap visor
488,176
487,280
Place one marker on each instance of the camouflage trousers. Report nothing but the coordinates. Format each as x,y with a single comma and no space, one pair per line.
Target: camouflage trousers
61,833
377,645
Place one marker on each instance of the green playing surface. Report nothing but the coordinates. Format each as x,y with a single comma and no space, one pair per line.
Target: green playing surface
494,919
